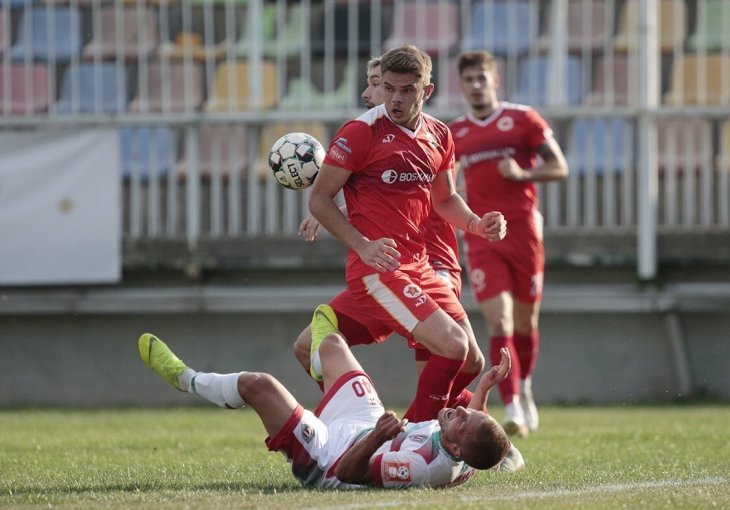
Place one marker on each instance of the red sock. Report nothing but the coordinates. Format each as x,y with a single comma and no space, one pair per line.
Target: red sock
511,384
527,347
460,395
434,388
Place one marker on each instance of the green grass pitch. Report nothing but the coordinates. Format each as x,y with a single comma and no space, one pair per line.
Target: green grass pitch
200,458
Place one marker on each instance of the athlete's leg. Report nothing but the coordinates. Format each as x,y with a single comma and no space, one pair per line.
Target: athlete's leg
527,344
497,312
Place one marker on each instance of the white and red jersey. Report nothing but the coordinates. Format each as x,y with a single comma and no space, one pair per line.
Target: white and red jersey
416,458
512,130
389,191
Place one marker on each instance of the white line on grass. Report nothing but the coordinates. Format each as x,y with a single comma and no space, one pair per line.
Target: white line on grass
605,488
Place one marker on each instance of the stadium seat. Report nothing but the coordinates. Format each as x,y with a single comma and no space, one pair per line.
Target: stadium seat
432,26
4,33
231,88
340,38
713,19
171,87
532,81
672,25
287,36
27,90
214,144
683,143
502,26
265,27
273,131
587,26
615,81
304,95
600,145
48,34
189,45
723,156
129,37
699,80
142,146
448,92
91,88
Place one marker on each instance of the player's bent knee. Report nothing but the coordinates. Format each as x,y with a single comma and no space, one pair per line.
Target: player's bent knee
254,383
302,346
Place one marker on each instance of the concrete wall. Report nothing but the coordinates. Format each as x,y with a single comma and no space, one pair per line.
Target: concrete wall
91,359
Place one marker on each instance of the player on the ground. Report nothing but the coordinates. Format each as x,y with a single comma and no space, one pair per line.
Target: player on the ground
441,247
502,150
394,162
350,441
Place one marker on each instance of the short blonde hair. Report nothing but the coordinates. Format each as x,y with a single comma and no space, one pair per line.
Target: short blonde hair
407,59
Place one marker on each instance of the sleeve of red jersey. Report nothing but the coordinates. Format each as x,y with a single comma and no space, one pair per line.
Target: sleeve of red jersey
449,161
349,147
538,131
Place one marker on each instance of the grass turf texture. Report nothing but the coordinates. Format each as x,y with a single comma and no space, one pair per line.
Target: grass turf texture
648,457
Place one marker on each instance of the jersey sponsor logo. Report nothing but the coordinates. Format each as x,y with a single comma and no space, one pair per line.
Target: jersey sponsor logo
335,153
388,138
307,433
389,176
505,123
397,471
342,144
412,291
478,280
420,301
471,159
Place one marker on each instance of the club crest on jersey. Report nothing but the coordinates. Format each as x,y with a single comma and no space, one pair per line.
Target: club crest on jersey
397,471
412,291
477,278
505,123
388,138
418,438
307,433
461,132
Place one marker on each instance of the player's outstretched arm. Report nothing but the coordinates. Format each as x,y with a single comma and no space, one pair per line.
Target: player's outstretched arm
489,379
355,465
309,227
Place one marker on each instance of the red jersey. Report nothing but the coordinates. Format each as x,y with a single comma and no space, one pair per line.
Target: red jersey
442,245
389,191
512,130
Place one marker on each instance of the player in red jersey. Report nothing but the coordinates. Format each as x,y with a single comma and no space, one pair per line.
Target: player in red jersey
393,163
498,146
441,247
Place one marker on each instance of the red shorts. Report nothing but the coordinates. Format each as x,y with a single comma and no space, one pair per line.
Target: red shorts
514,265
453,280
396,301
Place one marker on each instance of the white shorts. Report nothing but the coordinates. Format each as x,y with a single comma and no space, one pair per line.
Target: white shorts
313,443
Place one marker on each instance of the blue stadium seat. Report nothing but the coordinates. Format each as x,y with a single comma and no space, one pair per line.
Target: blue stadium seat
88,88
532,81
502,26
136,145
601,144
36,42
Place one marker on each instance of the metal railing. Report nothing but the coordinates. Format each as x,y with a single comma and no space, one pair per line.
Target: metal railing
638,93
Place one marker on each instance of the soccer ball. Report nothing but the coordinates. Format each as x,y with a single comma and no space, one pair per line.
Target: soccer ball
295,159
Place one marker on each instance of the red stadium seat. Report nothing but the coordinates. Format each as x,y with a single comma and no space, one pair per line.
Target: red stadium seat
27,91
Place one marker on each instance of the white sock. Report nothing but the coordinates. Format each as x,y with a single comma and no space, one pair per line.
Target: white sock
221,389
184,379
317,364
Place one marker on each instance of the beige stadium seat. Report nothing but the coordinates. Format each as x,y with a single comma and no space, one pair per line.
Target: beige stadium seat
231,88
615,81
672,25
700,80
217,141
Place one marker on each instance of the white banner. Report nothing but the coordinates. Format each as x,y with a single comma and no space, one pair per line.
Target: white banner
60,212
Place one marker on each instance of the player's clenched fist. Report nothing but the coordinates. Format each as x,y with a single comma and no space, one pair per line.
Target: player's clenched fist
492,226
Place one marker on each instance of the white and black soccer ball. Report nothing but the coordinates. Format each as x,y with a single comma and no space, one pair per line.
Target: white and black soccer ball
295,159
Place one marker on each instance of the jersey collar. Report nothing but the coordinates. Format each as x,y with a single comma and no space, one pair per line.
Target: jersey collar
407,131
437,439
481,123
